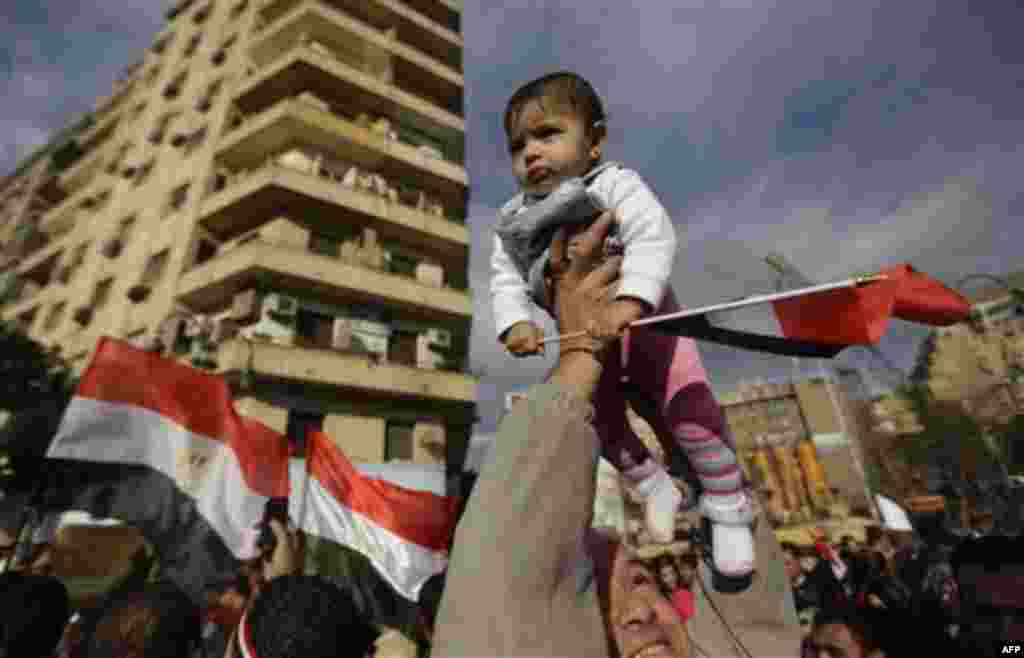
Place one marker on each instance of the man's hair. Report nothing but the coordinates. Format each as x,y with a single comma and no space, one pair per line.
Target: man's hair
307,617
156,621
861,625
564,89
35,610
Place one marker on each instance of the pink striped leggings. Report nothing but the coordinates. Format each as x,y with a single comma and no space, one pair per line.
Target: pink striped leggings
667,372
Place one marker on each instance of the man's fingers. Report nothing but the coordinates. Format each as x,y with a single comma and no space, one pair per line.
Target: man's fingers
593,237
605,274
556,257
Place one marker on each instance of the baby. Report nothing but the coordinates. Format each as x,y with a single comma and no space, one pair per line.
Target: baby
556,134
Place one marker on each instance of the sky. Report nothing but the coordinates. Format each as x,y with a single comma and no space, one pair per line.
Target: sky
846,136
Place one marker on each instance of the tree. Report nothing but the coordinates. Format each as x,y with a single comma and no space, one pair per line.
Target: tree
36,388
28,371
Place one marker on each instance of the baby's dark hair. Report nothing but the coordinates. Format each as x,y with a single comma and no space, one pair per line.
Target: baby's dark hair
564,88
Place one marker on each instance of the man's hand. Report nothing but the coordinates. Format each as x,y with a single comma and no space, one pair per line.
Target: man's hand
621,313
287,555
523,339
582,286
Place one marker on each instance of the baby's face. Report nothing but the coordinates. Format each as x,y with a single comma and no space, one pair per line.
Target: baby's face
548,147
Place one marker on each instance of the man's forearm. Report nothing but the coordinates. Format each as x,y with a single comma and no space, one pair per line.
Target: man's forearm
578,370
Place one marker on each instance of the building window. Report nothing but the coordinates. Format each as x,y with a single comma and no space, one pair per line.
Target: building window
155,267
102,293
161,44
55,316
314,330
238,8
207,100
221,54
202,14
206,251
300,424
193,44
194,140
398,440
174,87
162,125
178,198
145,169
325,245
139,109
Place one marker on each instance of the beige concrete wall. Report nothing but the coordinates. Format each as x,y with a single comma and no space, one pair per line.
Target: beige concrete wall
276,418
428,442
361,438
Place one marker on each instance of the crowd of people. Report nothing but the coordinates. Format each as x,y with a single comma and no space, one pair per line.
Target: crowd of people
528,575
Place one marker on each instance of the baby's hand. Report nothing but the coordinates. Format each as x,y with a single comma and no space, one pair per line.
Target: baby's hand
523,339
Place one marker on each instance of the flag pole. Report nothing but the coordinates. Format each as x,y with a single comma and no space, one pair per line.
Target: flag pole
727,306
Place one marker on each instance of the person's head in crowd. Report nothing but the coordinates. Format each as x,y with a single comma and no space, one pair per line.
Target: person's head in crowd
989,572
687,567
638,614
983,523
844,632
35,611
668,573
296,616
156,621
791,562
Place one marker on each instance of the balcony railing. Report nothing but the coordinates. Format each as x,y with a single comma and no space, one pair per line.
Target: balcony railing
412,28
398,63
300,121
209,286
364,182
347,371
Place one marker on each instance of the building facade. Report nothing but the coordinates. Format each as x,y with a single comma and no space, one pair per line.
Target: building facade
275,191
799,444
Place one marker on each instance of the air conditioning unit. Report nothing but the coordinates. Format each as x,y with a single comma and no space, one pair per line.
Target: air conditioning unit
112,247
245,309
139,292
441,337
341,339
282,305
195,328
200,354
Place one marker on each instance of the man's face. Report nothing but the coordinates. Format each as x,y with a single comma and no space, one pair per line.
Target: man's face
643,622
836,641
792,566
547,147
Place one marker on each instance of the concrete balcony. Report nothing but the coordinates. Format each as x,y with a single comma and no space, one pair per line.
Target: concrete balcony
294,122
62,218
348,372
305,68
265,194
211,286
412,27
82,172
408,68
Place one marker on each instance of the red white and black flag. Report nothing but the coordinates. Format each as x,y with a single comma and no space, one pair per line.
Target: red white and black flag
822,320
158,444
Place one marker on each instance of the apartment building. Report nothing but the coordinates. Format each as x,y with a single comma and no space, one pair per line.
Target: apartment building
275,191
799,441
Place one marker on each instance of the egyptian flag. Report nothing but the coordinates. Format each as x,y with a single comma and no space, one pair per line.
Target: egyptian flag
380,540
158,444
823,320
